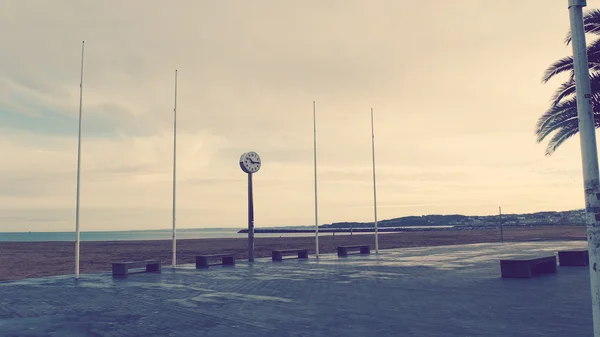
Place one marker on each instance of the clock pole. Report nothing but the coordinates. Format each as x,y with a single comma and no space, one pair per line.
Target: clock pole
250,163
250,220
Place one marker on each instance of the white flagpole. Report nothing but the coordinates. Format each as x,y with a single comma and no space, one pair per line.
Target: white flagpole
174,171
78,169
315,161
374,185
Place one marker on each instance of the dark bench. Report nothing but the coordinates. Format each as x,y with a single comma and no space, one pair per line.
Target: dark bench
277,255
343,250
122,268
204,261
528,267
573,257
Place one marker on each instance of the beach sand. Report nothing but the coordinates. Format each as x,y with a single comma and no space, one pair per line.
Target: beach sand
19,260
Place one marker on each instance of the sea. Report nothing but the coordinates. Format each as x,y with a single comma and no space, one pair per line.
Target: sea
159,234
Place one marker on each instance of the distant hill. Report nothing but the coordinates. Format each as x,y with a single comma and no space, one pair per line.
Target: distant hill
435,221
574,217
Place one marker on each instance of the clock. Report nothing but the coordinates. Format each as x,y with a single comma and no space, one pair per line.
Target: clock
250,162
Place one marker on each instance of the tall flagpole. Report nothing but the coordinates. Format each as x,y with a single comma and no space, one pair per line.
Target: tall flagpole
374,185
174,171
315,161
77,245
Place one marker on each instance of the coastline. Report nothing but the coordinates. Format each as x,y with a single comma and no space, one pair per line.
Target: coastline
19,260
394,229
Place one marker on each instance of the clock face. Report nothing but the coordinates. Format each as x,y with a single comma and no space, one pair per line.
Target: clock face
250,162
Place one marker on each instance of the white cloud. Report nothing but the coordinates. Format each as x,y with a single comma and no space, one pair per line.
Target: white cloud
454,107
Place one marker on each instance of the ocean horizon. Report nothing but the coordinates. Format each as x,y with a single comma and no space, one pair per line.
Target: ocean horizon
135,235
165,234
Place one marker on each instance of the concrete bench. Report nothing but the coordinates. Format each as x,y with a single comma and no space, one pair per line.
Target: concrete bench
573,258
528,267
277,255
122,268
204,261
343,250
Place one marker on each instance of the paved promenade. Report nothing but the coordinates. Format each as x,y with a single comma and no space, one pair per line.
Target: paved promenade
433,291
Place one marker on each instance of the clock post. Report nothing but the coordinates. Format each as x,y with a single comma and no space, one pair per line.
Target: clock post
250,220
250,163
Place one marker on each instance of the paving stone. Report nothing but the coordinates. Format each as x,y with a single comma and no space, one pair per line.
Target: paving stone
432,291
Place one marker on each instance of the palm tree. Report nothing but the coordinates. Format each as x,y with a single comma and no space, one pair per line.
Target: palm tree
560,122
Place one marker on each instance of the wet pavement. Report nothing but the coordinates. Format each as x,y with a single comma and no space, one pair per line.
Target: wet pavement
433,291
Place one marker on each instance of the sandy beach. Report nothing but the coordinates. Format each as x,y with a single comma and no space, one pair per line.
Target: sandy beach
20,260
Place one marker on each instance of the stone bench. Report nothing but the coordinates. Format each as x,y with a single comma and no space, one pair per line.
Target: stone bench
343,250
122,268
277,255
528,267
204,261
573,258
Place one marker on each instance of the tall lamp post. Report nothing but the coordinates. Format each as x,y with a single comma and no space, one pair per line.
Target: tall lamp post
250,163
589,152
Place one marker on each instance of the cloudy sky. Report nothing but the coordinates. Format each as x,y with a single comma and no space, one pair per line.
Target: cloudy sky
455,86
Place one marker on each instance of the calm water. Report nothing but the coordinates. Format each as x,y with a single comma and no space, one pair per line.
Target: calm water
161,234
164,234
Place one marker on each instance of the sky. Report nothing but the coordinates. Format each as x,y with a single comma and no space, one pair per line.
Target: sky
455,87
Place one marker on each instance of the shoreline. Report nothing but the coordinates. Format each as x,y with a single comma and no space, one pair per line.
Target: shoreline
401,229
20,260
223,233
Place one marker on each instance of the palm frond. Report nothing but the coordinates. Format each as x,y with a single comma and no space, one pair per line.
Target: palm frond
567,89
560,122
554,117
594,47
566,64
564,133
556,126
591,24
560,66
